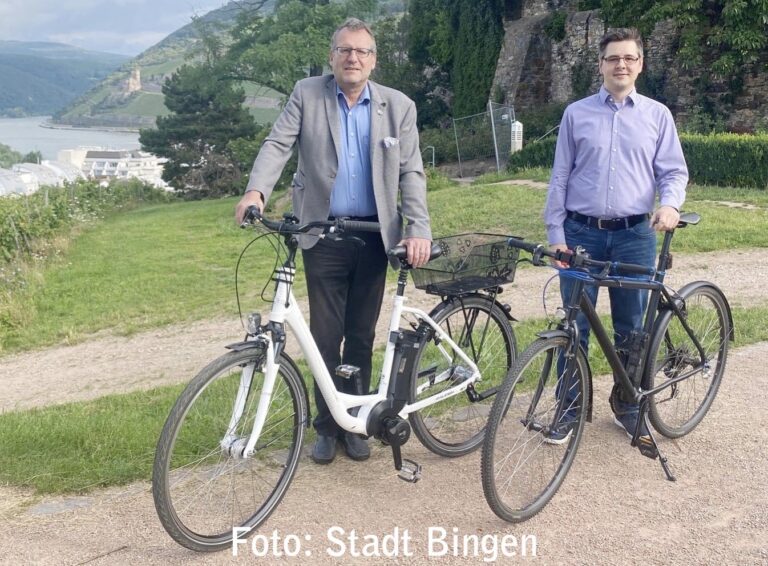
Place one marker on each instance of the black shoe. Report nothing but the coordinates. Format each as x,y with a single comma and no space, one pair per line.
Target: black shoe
355,447
324,450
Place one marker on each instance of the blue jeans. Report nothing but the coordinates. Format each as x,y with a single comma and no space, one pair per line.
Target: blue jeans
632,245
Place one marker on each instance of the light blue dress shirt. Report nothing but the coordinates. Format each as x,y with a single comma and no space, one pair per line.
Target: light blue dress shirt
611,161
352,193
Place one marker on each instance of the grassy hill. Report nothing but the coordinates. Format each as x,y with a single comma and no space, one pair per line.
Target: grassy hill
39,77
109,103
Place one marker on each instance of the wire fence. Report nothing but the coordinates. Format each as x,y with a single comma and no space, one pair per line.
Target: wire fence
492,135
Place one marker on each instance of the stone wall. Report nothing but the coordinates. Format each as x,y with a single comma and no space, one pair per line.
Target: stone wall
533,70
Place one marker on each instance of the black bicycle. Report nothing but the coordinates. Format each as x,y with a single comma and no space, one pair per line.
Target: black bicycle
672,367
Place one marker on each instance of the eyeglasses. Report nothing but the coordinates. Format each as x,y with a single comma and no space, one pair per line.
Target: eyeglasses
628,59
361,53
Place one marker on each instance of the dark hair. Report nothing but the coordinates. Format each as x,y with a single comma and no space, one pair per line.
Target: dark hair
622,34
353,24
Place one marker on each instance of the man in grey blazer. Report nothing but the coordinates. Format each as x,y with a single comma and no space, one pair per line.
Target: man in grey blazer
358,152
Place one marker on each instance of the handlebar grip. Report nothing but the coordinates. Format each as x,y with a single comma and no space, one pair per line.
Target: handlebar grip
359,226
517,243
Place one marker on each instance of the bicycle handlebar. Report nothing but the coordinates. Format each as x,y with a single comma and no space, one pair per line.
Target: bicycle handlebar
290,224
578,259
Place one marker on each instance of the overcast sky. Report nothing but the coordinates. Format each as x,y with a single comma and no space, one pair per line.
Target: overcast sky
115,26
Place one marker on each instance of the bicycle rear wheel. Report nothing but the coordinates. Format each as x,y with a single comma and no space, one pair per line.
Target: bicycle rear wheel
534,429
455,426
202,486
678,409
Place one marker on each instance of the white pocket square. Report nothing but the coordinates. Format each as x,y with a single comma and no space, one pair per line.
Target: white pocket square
391,142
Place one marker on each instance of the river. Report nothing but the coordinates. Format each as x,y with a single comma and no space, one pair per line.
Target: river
28,134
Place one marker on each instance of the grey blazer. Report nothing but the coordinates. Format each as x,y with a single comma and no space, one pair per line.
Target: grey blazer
310,120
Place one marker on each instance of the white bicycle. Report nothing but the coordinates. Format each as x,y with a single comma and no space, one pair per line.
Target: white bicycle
231,444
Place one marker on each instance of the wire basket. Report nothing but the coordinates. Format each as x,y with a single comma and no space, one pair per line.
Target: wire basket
469,262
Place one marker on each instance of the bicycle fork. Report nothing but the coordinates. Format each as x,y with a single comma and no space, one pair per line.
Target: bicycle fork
242,446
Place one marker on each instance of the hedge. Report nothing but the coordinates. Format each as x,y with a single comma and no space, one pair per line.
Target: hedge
738,160
26,220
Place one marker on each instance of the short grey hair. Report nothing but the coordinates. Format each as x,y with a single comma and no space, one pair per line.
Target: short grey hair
622,34
353,24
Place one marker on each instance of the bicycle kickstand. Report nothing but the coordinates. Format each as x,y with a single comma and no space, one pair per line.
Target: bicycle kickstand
652,450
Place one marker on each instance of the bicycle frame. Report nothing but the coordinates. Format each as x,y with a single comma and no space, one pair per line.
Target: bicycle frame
660,298
285,310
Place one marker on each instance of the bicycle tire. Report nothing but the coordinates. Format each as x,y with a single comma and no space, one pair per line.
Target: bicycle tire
201,492
455,426
678,409
521,467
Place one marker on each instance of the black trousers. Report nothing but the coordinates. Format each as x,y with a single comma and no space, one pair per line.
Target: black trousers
345,284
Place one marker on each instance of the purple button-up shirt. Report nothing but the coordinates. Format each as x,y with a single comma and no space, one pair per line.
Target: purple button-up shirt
611,160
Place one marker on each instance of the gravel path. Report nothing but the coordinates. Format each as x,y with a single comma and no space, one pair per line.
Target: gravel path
614,508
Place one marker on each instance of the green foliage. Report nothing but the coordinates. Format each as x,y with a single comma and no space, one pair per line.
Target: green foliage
8,156
206,114
291,44
537,154
726,35
477,42
554,28
715,159
27,222
727,159
437,181
443,140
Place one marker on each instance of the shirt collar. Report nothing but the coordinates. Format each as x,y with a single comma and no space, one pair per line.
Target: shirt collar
632,97
365,96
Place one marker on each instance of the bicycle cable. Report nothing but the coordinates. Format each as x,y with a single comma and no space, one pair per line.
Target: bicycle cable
276,246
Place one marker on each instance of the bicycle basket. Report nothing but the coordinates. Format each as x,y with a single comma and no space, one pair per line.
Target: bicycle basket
469,262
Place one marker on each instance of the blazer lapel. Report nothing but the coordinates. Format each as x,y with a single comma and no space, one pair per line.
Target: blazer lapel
332,113
378,108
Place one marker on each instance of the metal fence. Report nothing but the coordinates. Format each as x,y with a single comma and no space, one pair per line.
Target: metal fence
492,135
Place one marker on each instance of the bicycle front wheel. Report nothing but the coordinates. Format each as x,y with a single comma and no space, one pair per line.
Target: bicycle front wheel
678,409
534,429
202,485
455,426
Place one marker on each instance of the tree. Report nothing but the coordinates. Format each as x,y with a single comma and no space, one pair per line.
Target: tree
291,44
207,112
725,35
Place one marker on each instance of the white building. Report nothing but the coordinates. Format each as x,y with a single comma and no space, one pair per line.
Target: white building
97,163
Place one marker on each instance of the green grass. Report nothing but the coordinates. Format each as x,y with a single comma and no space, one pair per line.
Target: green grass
175,263
79,446
145,104
129,273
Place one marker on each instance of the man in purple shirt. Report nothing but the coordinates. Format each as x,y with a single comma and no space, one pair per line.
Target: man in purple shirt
616,150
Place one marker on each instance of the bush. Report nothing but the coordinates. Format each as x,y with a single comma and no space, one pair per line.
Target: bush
727,159
444,142
25,221
536,154
738,160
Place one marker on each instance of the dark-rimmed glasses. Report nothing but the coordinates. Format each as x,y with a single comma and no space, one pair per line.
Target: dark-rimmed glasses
362,53
628,59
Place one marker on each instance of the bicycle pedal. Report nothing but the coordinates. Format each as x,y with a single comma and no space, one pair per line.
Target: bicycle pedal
647,448
409,471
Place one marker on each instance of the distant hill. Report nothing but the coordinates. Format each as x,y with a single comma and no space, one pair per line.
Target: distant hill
39,78
131,96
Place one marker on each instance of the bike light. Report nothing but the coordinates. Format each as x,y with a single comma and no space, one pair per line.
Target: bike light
253,324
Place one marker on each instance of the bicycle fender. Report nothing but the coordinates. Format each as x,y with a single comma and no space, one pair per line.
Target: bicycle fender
245,345
505,308
685,290
553,333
